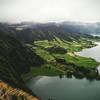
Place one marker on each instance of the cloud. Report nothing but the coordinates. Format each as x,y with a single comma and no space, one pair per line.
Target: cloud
49,10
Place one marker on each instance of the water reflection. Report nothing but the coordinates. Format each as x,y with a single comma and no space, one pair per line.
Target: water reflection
66,88
69,87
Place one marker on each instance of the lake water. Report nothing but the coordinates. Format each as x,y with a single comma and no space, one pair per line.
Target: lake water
91,52
68,89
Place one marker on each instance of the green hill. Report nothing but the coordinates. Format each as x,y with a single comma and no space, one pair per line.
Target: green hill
15,60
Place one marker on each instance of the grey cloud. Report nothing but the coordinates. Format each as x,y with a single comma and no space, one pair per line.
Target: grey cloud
49,10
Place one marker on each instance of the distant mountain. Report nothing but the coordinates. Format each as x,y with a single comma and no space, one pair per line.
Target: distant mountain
85,28
72,27
29,32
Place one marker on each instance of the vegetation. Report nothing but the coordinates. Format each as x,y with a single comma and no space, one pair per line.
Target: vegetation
81,61
15,60
69,46
45,70
60,59
47,50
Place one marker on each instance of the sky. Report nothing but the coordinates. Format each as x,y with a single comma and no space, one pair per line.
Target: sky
49,10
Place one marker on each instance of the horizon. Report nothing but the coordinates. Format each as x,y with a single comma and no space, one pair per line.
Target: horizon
55,22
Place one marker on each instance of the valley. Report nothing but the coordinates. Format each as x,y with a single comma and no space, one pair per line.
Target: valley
60,59
49,50
45,50
74,88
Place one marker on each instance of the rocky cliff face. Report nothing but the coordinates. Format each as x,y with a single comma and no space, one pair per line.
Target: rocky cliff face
10,93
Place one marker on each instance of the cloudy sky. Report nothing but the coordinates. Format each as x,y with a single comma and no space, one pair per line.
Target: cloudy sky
49,10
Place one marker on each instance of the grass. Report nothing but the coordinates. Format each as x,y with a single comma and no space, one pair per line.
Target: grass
54,68
81,61
44,71
73,46
44,54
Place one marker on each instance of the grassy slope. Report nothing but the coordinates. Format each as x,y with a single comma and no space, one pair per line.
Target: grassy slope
16,59
55,67
81,61
71,47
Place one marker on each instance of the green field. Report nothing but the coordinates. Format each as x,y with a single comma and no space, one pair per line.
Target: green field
44,71
57,62
81,61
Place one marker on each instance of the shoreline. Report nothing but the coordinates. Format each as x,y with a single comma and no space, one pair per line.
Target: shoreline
98,44
30,75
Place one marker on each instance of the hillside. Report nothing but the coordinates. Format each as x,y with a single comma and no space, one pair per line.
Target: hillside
29,32
15,60
51,42
28,50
